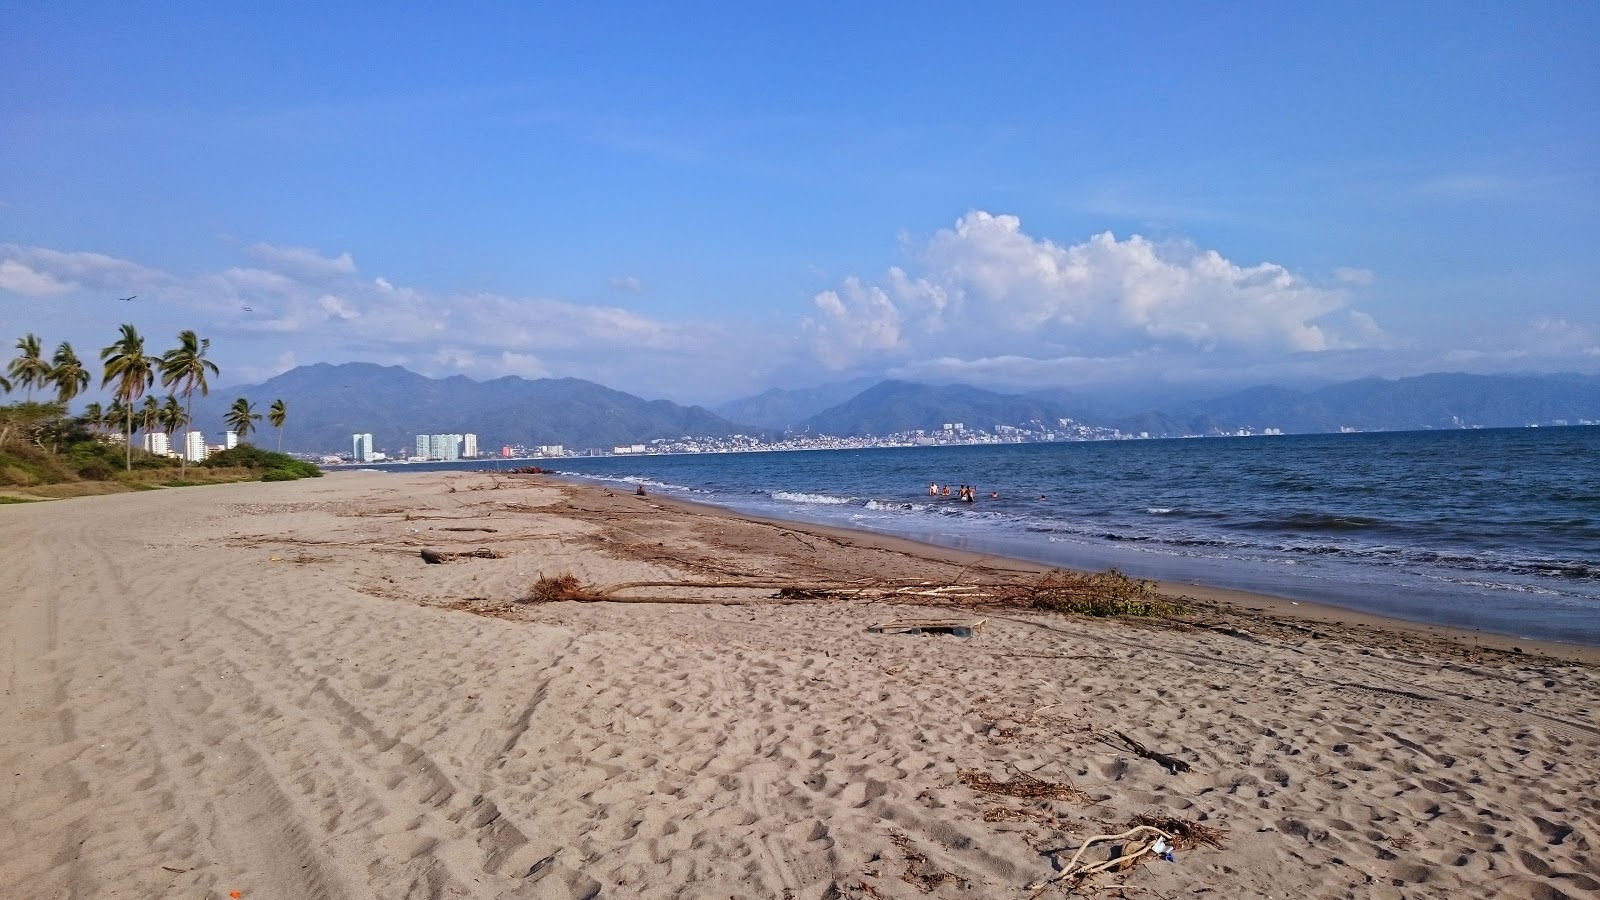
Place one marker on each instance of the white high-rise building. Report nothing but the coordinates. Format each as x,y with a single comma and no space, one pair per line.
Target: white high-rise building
424,446
229,440
361,447
194,448
156,443
469,445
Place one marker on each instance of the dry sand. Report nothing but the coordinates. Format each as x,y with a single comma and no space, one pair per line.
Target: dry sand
261,688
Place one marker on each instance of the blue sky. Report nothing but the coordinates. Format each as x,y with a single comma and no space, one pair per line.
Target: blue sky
702,201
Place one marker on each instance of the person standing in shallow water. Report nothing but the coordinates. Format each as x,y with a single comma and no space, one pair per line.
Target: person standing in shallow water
933,489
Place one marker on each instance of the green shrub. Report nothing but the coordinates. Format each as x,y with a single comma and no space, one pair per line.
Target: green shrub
249,456
96,470
279,475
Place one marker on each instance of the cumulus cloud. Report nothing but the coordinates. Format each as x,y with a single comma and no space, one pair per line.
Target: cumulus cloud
987,286
326,310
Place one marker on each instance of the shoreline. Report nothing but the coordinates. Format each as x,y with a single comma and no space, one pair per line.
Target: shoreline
1229,599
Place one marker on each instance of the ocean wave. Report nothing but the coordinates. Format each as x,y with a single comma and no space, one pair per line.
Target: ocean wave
1159,510
815,499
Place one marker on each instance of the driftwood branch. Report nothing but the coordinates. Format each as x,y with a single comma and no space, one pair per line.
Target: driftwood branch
1128,858
434,557
1173,764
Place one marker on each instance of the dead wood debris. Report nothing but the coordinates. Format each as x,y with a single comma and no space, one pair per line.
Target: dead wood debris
468,528
1140,841
434,557
1173,764
1024,786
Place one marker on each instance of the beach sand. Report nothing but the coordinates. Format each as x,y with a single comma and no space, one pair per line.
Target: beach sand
262,688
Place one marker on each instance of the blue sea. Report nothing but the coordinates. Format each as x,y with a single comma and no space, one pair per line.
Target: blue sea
1497,530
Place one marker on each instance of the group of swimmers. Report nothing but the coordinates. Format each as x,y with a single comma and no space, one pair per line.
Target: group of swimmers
965,492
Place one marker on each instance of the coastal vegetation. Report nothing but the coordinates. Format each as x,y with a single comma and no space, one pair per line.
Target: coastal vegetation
47,451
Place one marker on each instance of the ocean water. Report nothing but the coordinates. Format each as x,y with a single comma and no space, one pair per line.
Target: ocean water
1496,530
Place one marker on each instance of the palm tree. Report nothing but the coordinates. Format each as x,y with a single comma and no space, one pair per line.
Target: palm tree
68,373
113,414
277,415
133,371
186,365
94,417
29,368
174,417
241,418
149,416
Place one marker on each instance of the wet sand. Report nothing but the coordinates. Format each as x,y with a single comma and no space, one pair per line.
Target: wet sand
262,688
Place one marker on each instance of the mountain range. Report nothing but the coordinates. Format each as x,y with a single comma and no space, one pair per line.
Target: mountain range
328,403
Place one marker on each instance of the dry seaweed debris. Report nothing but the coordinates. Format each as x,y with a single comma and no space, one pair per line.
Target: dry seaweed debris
1024,786
920,872
1108,593
558,589
1186,835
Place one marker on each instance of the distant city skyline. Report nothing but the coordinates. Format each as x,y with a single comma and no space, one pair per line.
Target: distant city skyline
701,207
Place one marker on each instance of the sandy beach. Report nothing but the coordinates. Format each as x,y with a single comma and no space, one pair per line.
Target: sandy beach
263,689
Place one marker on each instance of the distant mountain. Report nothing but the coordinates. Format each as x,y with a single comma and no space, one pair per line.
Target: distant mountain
1372,404
894,406
328,403
1415,403
781,410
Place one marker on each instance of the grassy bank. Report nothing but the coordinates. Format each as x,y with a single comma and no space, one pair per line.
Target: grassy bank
87,467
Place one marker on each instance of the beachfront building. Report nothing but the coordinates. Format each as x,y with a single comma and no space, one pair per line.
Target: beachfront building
157,443
424,446
229,440
194,446
361,448
469,446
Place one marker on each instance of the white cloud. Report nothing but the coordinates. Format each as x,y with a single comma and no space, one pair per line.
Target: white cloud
19,279
985,287
627,283
39,271
320,308
1350,275
303,261
522,364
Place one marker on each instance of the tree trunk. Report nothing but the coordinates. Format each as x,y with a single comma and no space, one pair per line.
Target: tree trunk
188,426
127,439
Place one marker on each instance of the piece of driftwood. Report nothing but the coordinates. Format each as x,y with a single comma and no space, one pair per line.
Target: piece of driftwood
434,557
468,528
1173,764
1131,854
956,627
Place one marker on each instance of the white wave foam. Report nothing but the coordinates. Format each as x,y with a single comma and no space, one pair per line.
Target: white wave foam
1159,510
797,497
